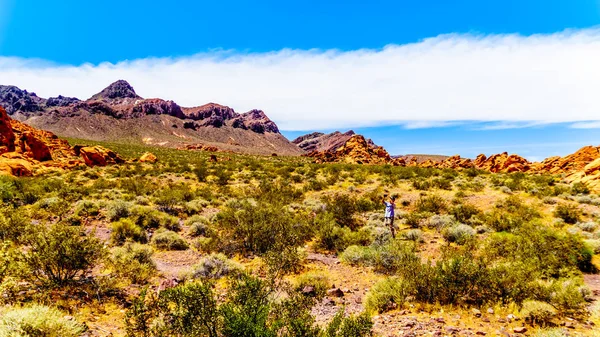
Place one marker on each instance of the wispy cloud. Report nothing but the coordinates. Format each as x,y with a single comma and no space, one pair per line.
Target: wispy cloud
457,77
586,125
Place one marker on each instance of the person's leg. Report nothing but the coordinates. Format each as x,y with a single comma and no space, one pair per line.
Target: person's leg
392,229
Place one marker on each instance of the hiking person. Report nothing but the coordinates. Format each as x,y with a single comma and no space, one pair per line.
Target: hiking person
390,205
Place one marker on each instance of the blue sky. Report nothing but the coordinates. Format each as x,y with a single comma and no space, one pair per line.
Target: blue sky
416,76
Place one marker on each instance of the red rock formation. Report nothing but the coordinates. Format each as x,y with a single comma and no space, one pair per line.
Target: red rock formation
26,150
148,158
502,163
7,136
99,156
357,150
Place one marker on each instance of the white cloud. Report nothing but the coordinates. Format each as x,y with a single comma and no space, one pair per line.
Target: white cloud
586,125
450,78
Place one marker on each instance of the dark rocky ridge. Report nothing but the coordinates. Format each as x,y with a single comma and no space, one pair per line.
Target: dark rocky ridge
211,123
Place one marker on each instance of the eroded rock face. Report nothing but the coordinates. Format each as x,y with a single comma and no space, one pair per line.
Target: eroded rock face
357,150
7,136
26,150
502,163
99,156
324,142
156,106
257,121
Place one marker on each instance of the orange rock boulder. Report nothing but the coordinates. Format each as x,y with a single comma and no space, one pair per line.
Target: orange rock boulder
148,158
98,156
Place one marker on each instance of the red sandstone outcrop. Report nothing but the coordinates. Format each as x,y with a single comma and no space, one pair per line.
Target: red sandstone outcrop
357,150
26,150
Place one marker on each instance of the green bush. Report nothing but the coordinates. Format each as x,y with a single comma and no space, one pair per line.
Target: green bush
118,209
147,217
464,212
168,240
60,254
334,238
126,229
37,320
215,266
537,312
570,213
342,207
388,294
198,226
318,281
134,262
432,204
459,234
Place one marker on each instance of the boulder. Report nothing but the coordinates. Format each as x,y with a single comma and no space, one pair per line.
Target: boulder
16,165
148,158
99,156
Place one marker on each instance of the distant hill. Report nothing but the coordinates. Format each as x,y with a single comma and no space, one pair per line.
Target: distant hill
118,113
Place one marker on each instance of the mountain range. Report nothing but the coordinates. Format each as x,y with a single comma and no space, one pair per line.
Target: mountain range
118,113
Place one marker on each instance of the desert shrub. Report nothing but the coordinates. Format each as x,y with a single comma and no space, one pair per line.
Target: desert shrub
570,213
168,240
510,214
334,238
60,254
585,199
37,320
358,255
505,189
14,223
442,183
538,312
198,226
352,326
134,262
117,209
549,201
388,294
415,235
459,233
441,222
86,208
147,217
387,259
201,173
215,266
551,253
260,227
432,204
589,226
126,229
421,184
318,281
342,207
195,206
579,188
464,212
415,219
566,295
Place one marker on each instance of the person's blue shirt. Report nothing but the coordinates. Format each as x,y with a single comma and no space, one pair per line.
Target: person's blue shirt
389,209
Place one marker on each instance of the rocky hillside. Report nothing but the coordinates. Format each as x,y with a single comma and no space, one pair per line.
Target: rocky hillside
25,151
322,142
356,150
118,113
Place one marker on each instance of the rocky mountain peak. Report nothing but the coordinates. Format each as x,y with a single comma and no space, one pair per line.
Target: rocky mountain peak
118,90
